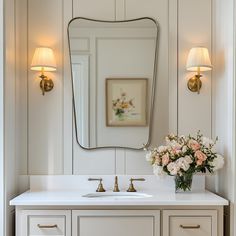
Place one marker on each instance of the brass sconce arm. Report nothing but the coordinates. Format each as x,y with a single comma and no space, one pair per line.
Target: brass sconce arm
195,83
46,84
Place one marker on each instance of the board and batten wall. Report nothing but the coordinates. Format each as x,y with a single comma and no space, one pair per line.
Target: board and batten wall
48,144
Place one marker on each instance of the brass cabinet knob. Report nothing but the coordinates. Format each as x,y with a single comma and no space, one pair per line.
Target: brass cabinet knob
100,187
131,186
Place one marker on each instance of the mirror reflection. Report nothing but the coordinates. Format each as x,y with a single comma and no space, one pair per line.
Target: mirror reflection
113,74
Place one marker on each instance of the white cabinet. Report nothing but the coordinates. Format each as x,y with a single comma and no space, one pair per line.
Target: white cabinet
44,222
158,222
116,223
190,223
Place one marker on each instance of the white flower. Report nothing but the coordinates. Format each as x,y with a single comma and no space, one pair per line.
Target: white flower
179,162
218,162
188,159
184,163
207,142
175,144
162,148
173,168
185,166
149,156
158,170
184,149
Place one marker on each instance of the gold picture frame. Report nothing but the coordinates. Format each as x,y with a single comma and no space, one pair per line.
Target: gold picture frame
126,102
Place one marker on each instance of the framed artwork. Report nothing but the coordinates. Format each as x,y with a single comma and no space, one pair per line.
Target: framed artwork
126,102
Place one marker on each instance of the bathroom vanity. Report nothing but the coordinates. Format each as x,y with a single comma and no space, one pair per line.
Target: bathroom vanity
69,205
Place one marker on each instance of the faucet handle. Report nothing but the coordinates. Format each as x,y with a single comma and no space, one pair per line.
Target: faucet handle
131,186
116,187
100,187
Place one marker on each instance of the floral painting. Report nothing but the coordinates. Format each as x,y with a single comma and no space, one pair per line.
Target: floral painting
126,102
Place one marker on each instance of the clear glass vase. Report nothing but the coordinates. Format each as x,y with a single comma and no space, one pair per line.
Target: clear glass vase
183,183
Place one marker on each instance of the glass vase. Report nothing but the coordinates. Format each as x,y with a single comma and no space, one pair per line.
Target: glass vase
183,183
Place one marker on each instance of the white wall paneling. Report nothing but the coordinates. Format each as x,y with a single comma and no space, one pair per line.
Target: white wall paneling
2,218
173,66
52,145
14,122
102,9
224,102
10,176
21,94
45,123
194,109
67,93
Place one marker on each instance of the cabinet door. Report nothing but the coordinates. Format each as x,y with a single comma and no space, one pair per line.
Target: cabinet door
116,223
190,223
44,223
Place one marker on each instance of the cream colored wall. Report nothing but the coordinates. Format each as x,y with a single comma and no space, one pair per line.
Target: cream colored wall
10,174
224,103
51,145
2,221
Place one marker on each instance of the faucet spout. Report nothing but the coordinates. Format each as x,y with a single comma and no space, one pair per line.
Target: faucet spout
116,187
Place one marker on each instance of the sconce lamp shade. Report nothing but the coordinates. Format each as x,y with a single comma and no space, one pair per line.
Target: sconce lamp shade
198,59
43,59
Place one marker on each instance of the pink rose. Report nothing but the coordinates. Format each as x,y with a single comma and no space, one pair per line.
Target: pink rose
200,156
165,159
176,150
199,162
194,145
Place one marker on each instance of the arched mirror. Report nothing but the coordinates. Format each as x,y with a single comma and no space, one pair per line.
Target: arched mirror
113,73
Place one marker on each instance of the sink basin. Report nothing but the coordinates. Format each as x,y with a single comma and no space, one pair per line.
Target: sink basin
116,195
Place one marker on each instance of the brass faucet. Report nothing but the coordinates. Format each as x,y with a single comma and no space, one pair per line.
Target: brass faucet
100,187
131,186
116,187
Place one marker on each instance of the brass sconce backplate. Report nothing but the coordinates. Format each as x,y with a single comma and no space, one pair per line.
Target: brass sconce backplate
46,84
194,83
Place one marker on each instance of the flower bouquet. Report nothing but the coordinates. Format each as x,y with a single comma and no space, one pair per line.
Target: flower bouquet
183,156
122,106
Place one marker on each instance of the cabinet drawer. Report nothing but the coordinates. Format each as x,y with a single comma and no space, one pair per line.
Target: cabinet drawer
116,223
46,225
193,226
48,222
190,223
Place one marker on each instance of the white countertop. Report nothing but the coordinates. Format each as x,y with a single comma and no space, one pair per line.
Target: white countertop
75,198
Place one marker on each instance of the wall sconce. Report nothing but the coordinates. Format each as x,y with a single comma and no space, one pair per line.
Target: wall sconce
44,60
198,60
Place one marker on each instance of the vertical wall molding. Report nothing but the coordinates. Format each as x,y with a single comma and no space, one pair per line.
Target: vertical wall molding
2,169
173,66
67,93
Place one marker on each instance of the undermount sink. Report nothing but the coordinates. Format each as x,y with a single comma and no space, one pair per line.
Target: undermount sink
117,195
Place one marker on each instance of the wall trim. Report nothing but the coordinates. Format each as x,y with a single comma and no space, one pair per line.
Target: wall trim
233,214
2,164
173,66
